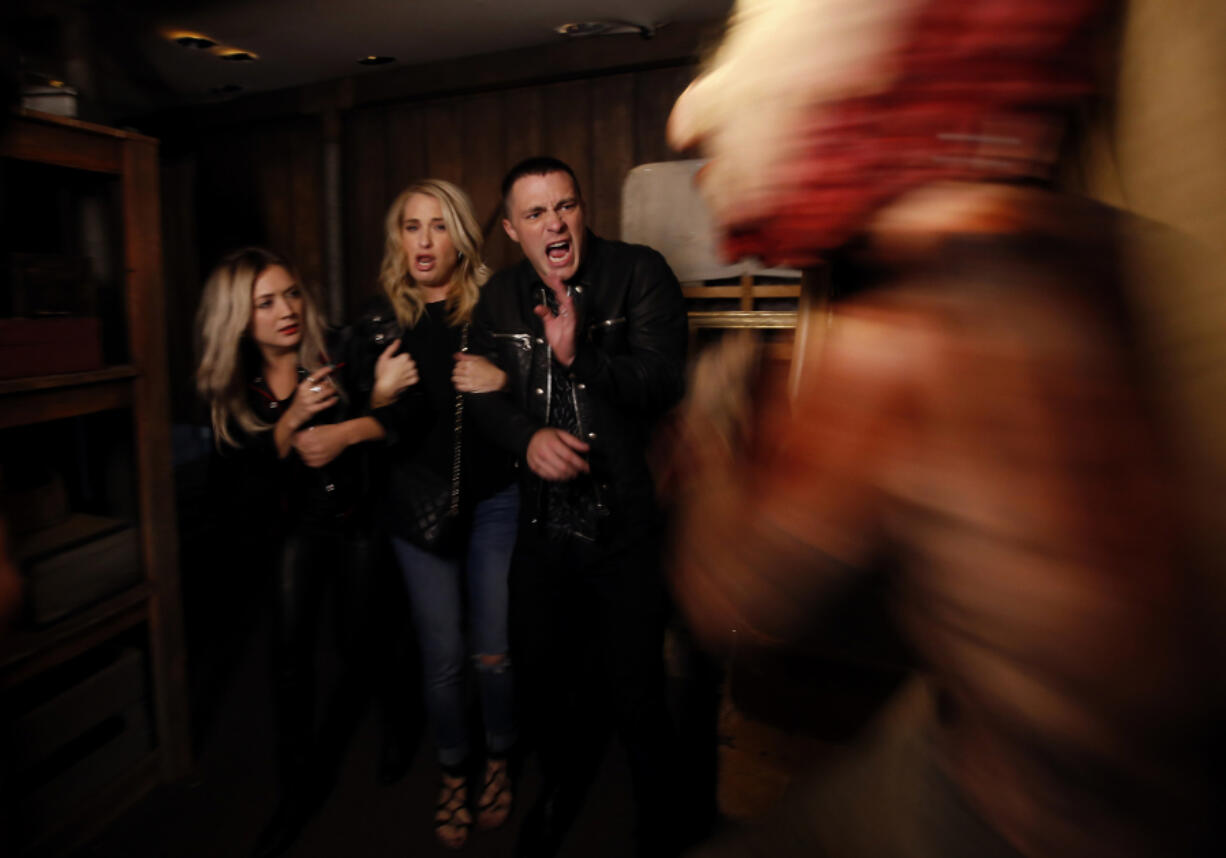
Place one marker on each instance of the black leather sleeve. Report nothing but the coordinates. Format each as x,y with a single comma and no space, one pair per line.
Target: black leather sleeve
371,334
498,415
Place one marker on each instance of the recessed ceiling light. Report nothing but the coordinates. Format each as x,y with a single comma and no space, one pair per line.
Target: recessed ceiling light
373,60
239,56
190,40
582,29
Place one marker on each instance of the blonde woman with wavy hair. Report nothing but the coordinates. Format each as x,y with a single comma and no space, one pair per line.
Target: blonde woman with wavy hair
293,430
227,315
431,278
403,285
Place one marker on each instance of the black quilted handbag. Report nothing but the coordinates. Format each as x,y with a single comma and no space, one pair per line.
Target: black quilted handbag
433,502
432,509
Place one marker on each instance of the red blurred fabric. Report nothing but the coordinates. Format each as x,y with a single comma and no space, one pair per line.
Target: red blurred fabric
979,94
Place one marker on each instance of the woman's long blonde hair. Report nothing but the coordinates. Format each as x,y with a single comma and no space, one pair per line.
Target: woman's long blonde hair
224,322
471,272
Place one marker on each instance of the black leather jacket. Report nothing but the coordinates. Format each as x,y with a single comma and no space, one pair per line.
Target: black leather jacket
286,493
419,426
629,368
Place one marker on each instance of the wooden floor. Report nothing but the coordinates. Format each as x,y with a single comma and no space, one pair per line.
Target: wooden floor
221,811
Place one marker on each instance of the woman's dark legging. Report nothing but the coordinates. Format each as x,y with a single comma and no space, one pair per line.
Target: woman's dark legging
335,561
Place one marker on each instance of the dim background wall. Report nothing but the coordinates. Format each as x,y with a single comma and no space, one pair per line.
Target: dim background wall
229,187
254,171
601,126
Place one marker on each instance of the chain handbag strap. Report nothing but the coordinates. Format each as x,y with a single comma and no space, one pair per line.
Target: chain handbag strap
458,435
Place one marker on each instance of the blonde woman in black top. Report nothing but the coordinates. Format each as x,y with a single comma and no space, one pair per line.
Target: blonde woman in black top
431,278
289,412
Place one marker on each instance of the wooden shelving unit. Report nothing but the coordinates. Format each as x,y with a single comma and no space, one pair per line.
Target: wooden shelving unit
139,385
28,653
54,397
10,386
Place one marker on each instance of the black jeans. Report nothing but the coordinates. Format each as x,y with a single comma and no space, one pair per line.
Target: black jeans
587,632
329,563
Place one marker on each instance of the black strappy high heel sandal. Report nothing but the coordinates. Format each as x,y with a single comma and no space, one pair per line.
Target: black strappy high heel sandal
452,818
496,795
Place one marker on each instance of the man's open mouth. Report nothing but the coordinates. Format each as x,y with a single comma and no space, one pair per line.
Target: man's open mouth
558,251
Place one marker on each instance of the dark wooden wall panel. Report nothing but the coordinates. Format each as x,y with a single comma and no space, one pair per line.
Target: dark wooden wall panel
444,152
655,93
525,137
613,128
484,146
306,202
258,184
227,201
406,148
525,124
568,128
270,154
366,190
182,276
602,126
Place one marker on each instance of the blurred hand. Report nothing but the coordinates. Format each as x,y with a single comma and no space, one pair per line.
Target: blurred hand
394,373
475,374
719,398
319,445
314,394
555,455
712,427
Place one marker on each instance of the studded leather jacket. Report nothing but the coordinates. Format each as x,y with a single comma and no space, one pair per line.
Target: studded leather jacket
629,369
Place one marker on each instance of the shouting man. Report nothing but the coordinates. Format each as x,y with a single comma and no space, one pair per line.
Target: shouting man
592,335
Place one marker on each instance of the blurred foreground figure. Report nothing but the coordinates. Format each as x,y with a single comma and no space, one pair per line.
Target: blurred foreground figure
977,421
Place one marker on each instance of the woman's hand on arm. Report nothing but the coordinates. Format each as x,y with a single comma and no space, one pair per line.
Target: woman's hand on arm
475,374
394,373
319,445
314,394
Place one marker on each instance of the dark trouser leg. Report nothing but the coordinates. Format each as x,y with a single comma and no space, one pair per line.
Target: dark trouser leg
556,664
587,640
397,667
299,586
694,695
629,602
354,602
305,560
350,596
542,662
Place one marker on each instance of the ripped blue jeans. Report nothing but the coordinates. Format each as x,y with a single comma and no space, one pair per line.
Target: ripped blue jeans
436,592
